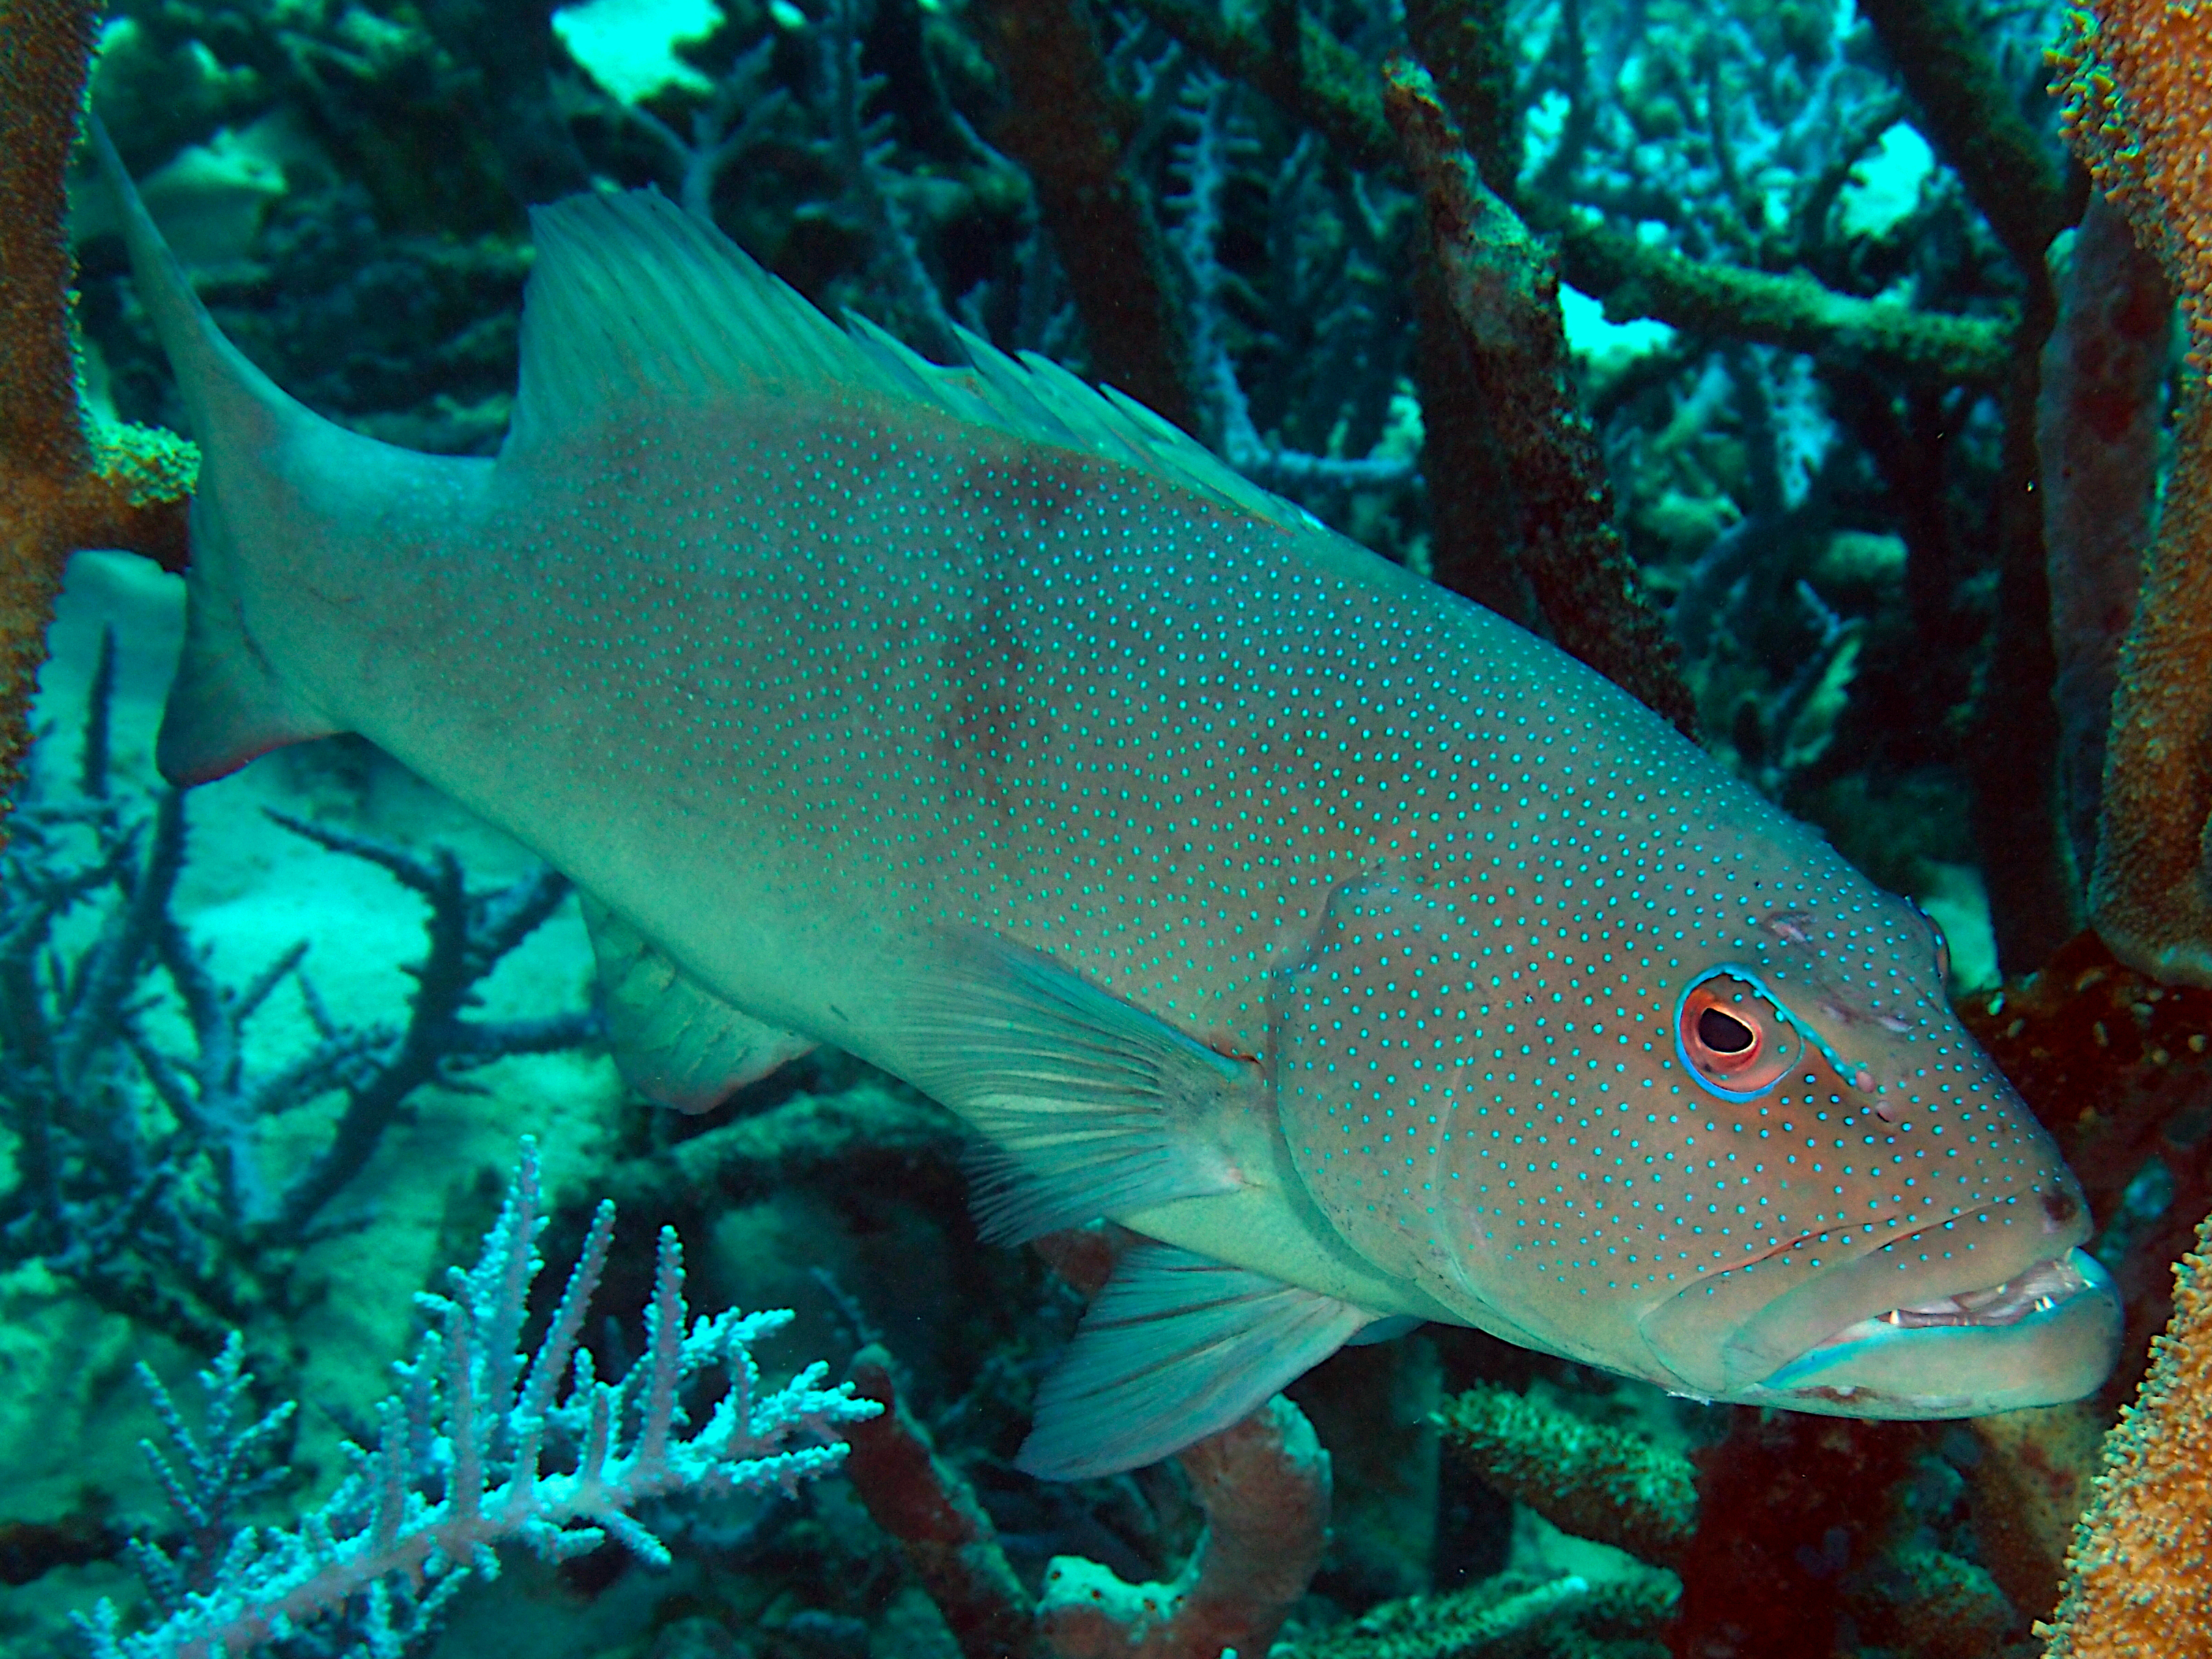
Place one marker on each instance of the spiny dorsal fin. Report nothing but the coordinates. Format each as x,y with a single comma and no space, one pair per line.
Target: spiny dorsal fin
634,299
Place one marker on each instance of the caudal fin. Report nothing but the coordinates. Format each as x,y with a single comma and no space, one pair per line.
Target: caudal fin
225,706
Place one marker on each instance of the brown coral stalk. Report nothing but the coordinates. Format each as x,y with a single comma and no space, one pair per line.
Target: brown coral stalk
2136,80
2151,899
1061,126
1503,292
2139,1576
64,484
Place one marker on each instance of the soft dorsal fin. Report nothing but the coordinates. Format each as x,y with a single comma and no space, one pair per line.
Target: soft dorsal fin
675,1041
635,299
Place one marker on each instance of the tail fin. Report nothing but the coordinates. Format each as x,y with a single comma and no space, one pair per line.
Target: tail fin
225,706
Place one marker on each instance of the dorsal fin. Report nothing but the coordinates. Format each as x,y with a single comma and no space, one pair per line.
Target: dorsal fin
635,299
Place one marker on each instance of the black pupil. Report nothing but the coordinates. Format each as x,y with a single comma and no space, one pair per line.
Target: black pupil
1722,1032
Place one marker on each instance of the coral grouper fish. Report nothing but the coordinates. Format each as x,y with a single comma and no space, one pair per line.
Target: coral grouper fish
1373,960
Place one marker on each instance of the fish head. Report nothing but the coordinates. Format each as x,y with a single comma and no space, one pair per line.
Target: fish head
1757,1160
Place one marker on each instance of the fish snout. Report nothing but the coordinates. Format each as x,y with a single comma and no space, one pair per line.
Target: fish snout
1990,1311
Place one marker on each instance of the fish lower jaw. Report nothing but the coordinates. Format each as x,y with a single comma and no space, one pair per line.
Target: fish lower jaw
2047,1335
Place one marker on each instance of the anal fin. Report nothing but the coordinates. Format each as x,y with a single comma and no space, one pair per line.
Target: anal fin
675,1041
1091,1105
1177,1347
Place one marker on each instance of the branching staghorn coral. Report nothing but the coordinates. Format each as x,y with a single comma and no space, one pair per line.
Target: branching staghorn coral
1777,1532
1510,1616
2135,78
1203,168
463,1445
2139,1581
67,480
137,1172
1973,120
1327,87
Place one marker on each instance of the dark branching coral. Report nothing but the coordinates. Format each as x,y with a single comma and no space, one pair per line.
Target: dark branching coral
470,932
1941,53
1785,1534
1061,126
137,1173
1511,1616
1328,88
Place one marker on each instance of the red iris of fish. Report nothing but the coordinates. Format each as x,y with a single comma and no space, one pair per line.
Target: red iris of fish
1733,1039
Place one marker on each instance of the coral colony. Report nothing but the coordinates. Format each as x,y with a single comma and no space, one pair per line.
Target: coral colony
1662,1115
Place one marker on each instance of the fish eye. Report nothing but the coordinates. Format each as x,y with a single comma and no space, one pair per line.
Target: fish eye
1731,1038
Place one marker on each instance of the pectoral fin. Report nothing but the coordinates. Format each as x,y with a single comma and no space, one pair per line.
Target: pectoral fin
675,1041
1092,1106
1176,1347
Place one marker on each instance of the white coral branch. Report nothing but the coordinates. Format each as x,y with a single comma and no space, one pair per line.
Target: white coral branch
471,1419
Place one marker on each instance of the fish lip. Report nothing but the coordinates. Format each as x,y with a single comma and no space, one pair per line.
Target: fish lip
2047,1336
1718,1338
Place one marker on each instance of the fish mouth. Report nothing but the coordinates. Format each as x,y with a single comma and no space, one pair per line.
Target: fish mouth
1989,1311
2048,1335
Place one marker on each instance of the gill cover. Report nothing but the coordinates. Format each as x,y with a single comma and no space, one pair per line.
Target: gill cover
1362,1083
1371,1067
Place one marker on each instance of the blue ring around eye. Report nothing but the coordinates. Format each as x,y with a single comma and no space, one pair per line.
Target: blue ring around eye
1748,976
